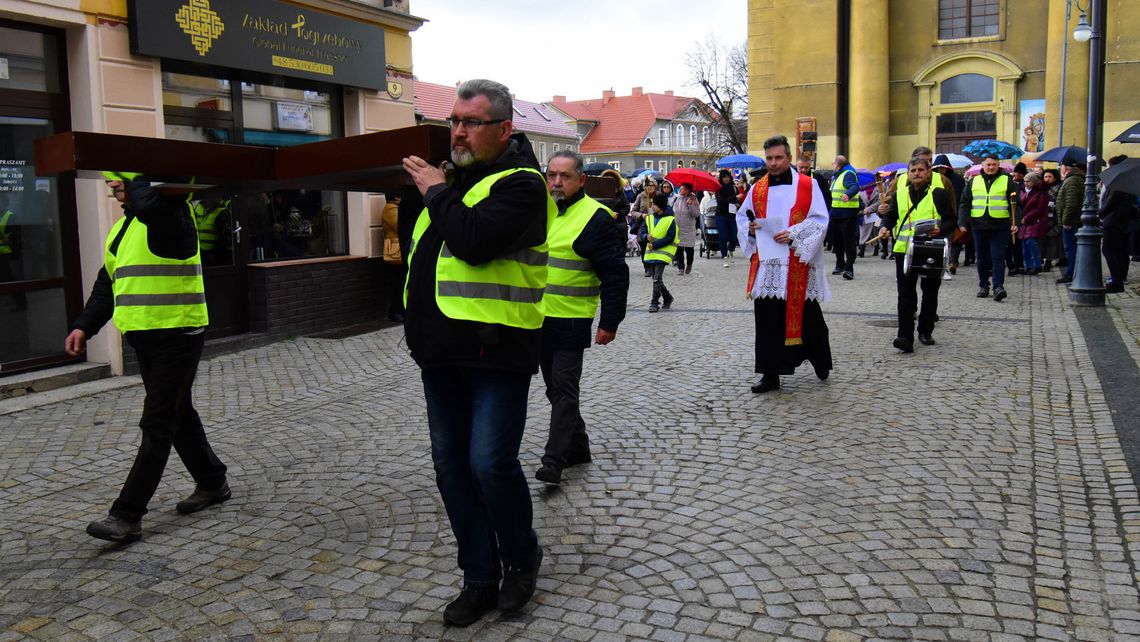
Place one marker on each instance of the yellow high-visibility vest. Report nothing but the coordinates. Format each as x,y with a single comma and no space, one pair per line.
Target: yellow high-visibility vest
838,190
507,290
152,292
659,229
573,289
925,210
996,199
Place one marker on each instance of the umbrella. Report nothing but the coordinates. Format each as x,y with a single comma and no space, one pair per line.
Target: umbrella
643,170
595,169
742,161
890,167
700,180
977,169
958,161
1130,135
999,148
1123,176
1067,155
866,177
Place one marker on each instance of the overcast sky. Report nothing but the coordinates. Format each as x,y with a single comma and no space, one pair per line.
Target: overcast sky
575,48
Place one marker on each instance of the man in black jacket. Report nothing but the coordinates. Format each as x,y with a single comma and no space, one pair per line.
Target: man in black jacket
1117,218
984,209
922,201
477,261
587,266
157,240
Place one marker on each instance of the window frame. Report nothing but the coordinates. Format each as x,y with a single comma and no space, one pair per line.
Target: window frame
941,39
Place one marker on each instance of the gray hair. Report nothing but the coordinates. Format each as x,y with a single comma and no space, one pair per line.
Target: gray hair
922,151
919,160
1034,177
502,105
579,166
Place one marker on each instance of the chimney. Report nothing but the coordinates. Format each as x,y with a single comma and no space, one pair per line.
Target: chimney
637,91
668,92
607,94
558,100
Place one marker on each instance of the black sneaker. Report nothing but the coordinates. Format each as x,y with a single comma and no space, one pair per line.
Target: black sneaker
849,274
115,529
999,294
925,339
549,474
837,271
472,603
983,293
519,583
666,303
202,498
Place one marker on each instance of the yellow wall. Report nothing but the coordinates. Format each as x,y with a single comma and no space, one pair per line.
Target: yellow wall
792,73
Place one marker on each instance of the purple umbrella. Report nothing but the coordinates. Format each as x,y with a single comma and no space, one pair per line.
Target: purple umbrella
890,167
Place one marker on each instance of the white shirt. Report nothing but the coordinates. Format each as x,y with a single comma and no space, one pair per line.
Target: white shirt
807,241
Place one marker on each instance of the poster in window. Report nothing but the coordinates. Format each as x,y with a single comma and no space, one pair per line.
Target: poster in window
296,117
1033,125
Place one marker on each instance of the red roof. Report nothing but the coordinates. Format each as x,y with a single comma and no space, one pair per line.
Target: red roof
623,121
435,103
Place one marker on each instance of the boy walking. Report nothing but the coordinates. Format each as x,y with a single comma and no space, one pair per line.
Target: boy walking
660,236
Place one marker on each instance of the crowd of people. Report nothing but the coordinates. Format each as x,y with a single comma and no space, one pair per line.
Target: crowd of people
507,265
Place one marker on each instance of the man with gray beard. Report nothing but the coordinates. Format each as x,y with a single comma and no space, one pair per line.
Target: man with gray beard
477,271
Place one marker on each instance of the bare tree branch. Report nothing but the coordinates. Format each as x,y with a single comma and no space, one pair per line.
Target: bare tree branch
722,70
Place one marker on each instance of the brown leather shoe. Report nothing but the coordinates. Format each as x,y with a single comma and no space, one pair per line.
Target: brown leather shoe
203,498
115,529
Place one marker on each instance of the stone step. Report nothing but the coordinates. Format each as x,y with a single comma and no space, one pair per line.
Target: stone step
27,383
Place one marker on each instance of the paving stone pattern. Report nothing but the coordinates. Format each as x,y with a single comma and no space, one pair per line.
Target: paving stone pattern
973,490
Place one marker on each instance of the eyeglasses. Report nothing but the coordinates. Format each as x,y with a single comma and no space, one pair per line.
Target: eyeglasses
471,123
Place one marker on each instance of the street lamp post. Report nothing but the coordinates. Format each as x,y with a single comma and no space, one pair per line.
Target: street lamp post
1088,280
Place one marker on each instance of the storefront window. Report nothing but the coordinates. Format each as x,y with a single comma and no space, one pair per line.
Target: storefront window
279,225
28,60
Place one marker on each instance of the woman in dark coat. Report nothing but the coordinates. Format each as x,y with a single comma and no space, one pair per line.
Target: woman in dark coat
1034,203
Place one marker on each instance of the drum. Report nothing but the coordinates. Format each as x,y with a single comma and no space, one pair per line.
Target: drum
926,255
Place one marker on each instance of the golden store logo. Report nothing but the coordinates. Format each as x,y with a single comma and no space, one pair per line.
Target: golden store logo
200,23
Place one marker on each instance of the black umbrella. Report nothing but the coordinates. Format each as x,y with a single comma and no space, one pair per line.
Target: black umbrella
1123,176
594,169
1130,135
1069,154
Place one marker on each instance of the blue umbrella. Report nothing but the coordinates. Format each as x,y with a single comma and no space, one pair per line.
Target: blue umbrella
999,148
866,177
741,161
890,167
643,170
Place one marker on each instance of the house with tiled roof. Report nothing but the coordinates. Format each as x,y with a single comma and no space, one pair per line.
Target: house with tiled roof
546,129
658,131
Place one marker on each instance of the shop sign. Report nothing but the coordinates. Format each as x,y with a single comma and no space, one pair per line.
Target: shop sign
261,35
12,175
294,117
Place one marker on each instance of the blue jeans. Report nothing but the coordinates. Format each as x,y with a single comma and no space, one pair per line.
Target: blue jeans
476,418
1031,253
1069,237
726,234
990,247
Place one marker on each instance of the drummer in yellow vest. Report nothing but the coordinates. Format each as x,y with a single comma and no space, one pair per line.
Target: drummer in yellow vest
587,268
151,286
660,236
918,201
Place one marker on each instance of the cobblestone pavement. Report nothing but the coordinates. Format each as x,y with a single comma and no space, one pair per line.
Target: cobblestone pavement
973,490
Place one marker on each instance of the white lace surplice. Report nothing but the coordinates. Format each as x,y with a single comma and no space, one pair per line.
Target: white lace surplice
807,241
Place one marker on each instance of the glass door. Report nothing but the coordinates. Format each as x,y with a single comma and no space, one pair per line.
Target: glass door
40,277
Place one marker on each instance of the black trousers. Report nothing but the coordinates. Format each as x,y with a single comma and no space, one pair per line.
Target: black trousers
1115,248
682,253
394,275
562,373
168,363
845,241
908,300
1014,259
657,271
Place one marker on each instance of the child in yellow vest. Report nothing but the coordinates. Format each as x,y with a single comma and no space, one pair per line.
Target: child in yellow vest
660,235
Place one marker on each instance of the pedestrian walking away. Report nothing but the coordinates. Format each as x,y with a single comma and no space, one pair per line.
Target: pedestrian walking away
587,269
687,211
151,287
477,269
917,202
782,225
660,236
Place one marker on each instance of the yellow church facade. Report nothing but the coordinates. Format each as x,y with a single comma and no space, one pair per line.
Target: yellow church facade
873,79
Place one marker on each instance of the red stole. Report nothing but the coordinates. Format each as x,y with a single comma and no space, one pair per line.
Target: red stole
797,270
